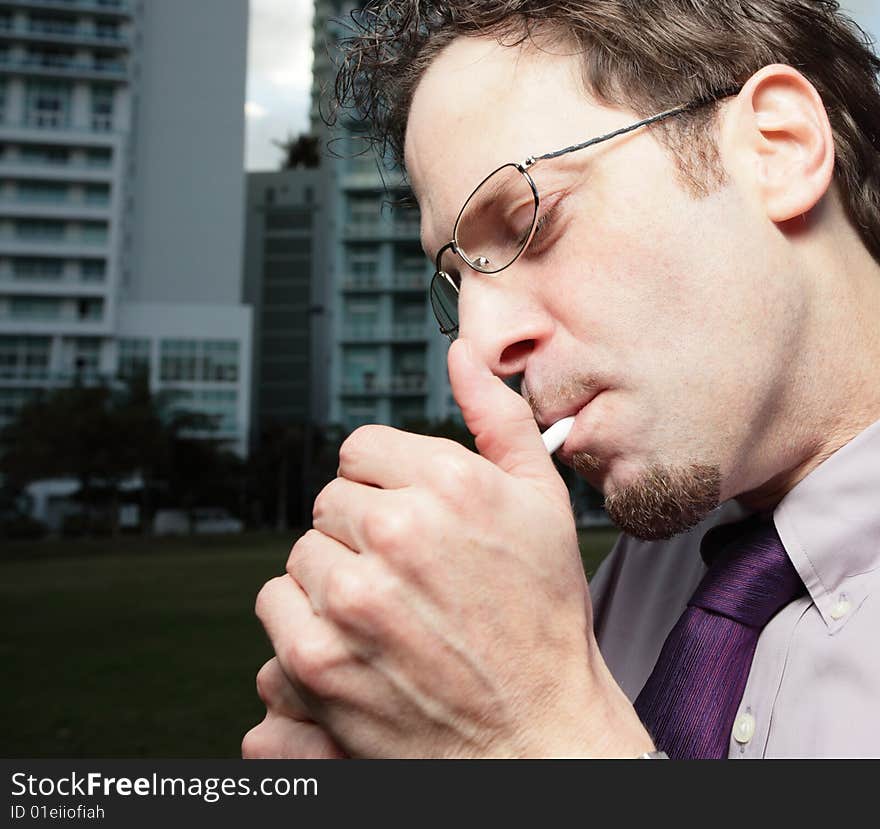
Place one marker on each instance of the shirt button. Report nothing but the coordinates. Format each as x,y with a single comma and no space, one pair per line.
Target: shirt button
840,609
744,728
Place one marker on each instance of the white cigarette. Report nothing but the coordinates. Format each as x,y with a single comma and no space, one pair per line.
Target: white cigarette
555,436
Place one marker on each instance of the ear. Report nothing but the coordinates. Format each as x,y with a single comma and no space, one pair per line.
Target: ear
784,142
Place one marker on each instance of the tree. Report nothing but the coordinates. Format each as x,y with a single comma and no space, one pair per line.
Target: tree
102,435
302,151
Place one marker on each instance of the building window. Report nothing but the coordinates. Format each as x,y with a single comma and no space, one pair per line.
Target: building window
220,361
44,230
134,357
48,104
34,308
360,370
46,192
93,233
36,268
52,25
107,31
43,154
98,194
289,218
87,356
24,358
209,361
363,213
221,405
90,309
92,270
363,264
102,107
177,360
98,157
51,58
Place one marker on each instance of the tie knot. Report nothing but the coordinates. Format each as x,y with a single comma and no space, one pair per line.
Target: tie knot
750,576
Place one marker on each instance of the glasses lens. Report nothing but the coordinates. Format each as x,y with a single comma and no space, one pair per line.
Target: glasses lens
444,301
497,220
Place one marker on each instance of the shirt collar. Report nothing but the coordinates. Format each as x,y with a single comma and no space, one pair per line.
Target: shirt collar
830,525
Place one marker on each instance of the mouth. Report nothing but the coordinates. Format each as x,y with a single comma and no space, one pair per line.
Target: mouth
547,417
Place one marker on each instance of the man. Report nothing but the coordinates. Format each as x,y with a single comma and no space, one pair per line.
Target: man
701,290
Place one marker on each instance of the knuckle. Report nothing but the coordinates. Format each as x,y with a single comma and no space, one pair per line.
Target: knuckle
319,508
313,662
303,544
267,682
266,597
456,477
353,446
349,598
256,744
386,530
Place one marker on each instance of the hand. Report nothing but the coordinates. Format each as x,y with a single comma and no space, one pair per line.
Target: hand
439,606
286,731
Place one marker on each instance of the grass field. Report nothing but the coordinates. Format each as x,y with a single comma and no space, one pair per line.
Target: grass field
139,647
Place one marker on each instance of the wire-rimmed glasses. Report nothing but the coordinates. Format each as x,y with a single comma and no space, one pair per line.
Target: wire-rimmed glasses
499,218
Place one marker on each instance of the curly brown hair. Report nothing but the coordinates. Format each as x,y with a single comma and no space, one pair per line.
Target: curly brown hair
647,55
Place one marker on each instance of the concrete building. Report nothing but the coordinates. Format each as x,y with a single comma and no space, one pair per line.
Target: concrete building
285,284
388,361
121,199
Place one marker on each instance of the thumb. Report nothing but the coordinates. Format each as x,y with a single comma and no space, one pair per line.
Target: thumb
499,419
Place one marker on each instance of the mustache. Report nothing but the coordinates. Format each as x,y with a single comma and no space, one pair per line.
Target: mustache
556,393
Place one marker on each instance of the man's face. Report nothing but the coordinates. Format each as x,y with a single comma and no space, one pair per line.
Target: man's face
635,289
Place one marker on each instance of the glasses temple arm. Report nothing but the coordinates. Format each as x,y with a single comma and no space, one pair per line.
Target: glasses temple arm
647,122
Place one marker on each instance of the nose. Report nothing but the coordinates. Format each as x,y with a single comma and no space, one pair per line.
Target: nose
503,323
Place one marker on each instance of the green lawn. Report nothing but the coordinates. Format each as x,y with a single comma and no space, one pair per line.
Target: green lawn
139,647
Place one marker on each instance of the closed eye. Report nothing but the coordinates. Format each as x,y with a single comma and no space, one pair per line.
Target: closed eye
544,222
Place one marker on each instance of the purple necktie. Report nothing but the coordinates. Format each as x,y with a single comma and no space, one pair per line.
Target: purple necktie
691,699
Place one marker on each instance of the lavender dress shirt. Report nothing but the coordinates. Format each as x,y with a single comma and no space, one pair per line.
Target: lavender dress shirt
814,685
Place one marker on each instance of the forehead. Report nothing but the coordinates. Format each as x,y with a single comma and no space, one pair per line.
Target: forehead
479,105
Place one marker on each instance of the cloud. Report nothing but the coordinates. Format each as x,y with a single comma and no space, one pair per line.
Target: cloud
254,110
279,77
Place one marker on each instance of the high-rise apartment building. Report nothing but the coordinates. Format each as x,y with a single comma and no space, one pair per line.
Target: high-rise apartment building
387,359
121,199
285,251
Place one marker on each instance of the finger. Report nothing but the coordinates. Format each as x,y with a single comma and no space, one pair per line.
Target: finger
306,645
389,458
313,557
278,737
357,515
278,693
500,420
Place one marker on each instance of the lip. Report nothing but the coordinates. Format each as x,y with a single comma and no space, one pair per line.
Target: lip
547,419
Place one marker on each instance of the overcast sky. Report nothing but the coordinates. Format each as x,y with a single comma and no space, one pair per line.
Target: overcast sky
280,66
279,77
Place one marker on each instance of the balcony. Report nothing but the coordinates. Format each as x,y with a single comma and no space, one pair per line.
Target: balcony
70,286
398,385
61,33
38,170
399,332
65,248
69,210
63,68
362,282
380,229
116,9
40,127
409,281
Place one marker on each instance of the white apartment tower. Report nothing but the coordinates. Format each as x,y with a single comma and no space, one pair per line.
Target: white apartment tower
388,360
122,198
